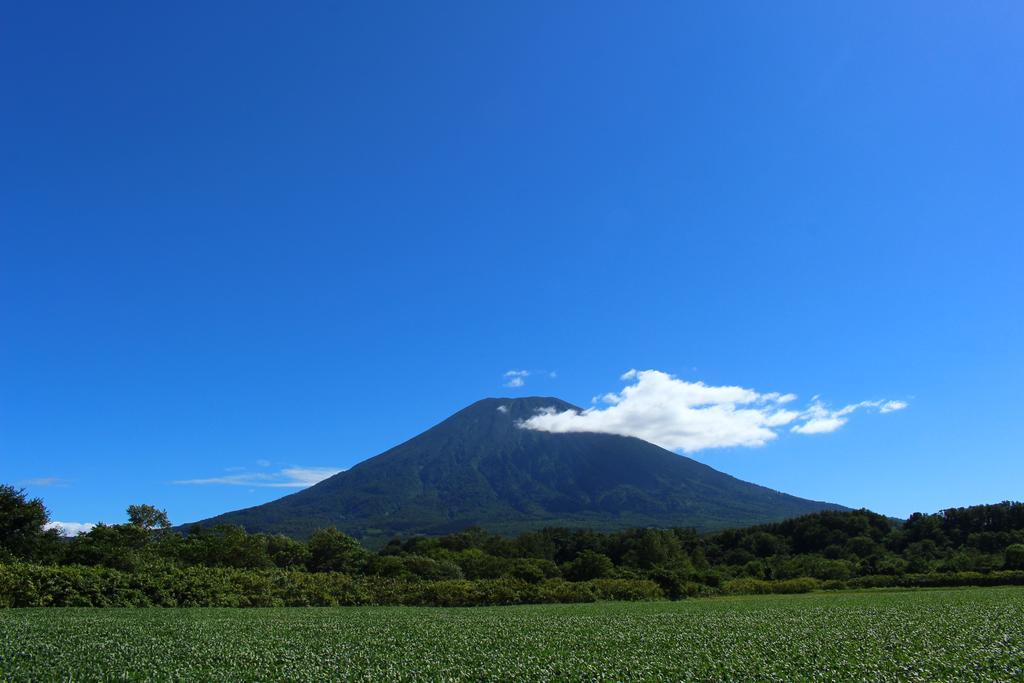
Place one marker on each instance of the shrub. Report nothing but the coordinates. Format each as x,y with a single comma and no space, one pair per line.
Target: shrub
801,585
626,589
1014,556
25,585
746,586
874,581
589,565
333,551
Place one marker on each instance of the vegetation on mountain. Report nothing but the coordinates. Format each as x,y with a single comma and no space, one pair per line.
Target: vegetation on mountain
479,468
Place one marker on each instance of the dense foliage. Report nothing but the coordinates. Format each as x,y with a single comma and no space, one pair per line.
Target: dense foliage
964,635
29,585
143,562
23,527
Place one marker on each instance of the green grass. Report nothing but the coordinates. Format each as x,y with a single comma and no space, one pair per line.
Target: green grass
927,635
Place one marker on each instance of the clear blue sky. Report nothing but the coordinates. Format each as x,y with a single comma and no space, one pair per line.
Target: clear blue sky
239,238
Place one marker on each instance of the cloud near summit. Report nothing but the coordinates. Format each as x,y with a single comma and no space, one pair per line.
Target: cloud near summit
693,416
516,378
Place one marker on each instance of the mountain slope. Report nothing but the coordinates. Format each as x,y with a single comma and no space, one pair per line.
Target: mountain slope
478,468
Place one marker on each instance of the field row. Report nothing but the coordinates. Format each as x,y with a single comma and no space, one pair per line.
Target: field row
960,634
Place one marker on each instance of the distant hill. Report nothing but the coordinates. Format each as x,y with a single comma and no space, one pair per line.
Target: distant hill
479,468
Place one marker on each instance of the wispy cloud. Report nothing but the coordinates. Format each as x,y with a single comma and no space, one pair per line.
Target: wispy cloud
891,406
287,478
70,528
516,378
693,416
819,419
44,481
502,409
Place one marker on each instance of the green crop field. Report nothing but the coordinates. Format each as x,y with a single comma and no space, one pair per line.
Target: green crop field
927,635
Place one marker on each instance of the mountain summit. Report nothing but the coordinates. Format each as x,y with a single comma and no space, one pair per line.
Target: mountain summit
478,467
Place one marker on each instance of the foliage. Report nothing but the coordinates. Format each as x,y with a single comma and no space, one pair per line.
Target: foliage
1015,556
332,551
588,565
148,517
27,585
22,522
828,550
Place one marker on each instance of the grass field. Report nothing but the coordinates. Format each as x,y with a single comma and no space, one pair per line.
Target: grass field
956,634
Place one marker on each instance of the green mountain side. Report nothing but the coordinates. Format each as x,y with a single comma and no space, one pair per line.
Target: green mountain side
479,468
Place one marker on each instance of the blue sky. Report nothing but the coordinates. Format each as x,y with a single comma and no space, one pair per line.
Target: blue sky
248,242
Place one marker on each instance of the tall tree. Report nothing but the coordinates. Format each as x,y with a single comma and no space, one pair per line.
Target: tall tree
333,551
147,517
23,532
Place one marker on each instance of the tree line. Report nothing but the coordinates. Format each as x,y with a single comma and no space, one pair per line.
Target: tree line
144,561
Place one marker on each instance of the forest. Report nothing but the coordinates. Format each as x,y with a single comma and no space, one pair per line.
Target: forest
145,561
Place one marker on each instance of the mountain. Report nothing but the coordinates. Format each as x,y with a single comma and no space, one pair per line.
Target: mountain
479,468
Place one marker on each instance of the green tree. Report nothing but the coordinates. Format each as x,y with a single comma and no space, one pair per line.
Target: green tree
147,517
589,565
286,552
763,544
226,545
1014,556
118,546
534,570
477,564
430,569
23,532
333,551
862,546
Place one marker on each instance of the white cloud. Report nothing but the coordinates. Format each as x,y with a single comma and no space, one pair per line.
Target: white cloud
676,414
502,409
693,416
288,478
891,406
44,481
819,419
776,397
516,378
820,425
70,528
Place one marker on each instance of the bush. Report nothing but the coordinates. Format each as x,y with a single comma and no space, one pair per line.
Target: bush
626,589
560,590
25,585
589,565
533,570
746,586
801,585
874,581
333,551
1001,578
1014,556
674,584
